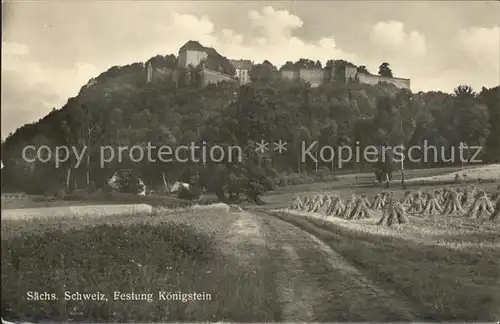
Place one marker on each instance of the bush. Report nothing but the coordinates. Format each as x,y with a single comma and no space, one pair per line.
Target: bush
268,184
194,192
61,193
107,188
293,179
322,174
129,184
281,181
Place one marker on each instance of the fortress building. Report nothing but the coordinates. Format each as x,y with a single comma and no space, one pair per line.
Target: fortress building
208,66
192,54
339,71
214,68
242,68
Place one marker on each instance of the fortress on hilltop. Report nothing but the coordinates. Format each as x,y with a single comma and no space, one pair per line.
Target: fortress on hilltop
208,66
340,71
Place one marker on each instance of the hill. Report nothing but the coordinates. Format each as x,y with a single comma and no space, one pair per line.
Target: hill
119,108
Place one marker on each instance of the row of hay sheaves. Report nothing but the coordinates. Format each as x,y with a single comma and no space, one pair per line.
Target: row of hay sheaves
468,202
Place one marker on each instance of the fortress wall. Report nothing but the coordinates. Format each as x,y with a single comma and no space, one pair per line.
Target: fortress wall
209,76
376,79
350,73
313,76
328,74
289,74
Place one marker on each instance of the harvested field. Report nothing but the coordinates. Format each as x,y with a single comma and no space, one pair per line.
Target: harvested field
17,201
78,211
444,252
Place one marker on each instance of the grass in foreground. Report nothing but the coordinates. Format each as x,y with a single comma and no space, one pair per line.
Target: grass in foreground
142,254
444,283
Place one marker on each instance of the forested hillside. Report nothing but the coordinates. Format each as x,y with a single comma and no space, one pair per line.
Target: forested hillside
120,108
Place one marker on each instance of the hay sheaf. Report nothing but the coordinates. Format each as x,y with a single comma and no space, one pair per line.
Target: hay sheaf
327,205
496,212
319,202
432,206
337,207
349,207
408,199
380,201
297,203
393,213
452,204
482,207
361,209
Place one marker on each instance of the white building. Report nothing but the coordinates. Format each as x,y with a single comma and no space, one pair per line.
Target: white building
243,68
192,53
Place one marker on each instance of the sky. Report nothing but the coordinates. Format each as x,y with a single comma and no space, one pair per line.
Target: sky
50,49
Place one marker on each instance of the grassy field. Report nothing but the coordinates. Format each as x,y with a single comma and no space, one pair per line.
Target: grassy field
448,266
138,253
33,201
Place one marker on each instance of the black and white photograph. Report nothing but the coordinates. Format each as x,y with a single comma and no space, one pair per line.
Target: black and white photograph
250,161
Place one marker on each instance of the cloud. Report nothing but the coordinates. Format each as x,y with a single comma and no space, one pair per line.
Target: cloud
275,25
392,39
482,45
30,90
471,57
13,49
271,38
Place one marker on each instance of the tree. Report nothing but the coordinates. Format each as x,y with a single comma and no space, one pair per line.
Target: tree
491,99
385,70
464,92
126,182
287,66
304,63
362,69
471,117
263,72
388,134
328,137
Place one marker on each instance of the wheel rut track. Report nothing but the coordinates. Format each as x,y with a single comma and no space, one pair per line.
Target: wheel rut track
369,300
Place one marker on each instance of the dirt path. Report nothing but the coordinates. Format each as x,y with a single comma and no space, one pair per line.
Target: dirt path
308,280
312,281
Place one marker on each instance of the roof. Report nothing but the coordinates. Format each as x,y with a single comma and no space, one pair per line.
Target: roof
241,64
192,46
210,51
196,46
